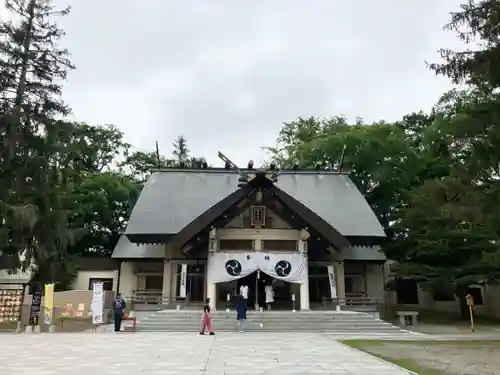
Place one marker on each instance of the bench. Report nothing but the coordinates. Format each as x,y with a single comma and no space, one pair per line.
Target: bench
407,318
133,319
62,319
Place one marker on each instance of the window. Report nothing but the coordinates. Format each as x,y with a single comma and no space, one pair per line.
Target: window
477,294
154,282
279,245
107,284
236,244
407,292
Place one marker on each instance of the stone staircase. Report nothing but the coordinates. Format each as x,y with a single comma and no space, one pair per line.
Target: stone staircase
338,322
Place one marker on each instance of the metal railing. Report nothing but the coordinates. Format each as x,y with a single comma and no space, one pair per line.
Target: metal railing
153,299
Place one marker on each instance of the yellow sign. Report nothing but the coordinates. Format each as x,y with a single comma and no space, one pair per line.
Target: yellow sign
49,303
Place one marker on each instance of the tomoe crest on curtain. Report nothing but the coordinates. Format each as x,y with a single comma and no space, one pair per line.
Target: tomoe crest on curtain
233,267
283,268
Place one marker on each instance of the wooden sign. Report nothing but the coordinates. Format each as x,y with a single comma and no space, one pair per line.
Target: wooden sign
36,303
258,217
470,303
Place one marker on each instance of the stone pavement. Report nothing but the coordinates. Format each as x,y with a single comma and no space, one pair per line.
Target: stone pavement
187,354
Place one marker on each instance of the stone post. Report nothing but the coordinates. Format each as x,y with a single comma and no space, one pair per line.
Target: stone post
167,278
340,281
304,292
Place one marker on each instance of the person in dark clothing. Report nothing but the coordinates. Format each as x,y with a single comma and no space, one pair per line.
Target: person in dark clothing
118,311
206,319
241,312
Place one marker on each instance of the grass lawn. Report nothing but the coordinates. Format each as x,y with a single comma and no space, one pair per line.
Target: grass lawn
435,357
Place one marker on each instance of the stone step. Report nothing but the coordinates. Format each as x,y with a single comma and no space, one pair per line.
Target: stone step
264,329
282,326
272,321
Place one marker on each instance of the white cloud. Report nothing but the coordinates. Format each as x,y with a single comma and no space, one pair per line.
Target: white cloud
227,73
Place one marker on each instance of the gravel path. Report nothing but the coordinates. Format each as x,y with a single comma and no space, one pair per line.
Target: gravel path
471,358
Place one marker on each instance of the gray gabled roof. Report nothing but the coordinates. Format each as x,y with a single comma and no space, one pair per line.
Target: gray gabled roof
336,199
125,249
171,199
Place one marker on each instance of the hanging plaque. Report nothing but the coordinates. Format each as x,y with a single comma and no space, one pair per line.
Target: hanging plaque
258,219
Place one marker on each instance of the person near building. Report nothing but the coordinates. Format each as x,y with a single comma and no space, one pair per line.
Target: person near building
119,306
241,312
269,291
206,319
244,292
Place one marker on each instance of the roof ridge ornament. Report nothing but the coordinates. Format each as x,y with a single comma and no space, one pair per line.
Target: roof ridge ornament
229,164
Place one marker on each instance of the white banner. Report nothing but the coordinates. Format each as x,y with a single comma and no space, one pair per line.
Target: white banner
331,278
223,267
182,290
97,306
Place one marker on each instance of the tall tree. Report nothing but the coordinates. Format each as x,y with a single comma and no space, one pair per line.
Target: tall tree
449,232
32,65
476,24
181,151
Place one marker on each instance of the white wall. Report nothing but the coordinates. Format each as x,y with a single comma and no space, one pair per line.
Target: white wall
18,277
82,279
128,282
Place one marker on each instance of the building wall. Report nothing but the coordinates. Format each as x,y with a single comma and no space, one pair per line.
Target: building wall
83,278
128,279
375,280
489,308
18,277
276,221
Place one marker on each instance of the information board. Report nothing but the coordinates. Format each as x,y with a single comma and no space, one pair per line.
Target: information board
35,306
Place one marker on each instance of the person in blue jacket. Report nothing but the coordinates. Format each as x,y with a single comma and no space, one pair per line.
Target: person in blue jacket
119,306
241,311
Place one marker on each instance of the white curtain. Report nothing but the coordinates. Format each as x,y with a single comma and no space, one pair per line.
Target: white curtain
224,267
289,267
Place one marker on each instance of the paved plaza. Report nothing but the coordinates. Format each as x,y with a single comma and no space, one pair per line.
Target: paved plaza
187,354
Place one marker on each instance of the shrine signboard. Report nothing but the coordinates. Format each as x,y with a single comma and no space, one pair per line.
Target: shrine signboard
35,306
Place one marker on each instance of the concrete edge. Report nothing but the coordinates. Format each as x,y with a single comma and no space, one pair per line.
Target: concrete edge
374,356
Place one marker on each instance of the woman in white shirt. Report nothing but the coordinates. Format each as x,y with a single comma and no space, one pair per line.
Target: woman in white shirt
268,289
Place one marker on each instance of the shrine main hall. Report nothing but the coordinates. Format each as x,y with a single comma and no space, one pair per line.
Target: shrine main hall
198,233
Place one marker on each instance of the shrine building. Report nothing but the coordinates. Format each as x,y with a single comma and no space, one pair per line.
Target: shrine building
202,233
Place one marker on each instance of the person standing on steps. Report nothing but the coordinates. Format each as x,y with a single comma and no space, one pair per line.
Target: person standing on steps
118,311
241,313
269,291
206,319
244,292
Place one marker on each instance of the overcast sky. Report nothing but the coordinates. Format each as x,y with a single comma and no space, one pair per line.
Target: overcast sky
226,74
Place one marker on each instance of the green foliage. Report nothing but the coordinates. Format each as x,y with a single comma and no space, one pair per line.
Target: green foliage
101,204
31,65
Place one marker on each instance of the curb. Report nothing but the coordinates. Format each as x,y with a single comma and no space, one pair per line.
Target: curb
378,358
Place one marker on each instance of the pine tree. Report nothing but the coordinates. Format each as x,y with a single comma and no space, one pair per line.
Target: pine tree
181,151
31,66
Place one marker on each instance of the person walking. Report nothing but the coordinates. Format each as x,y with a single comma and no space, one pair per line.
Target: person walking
206,319
241,312
119,306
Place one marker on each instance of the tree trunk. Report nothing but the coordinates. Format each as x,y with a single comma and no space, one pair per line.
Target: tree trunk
462,302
